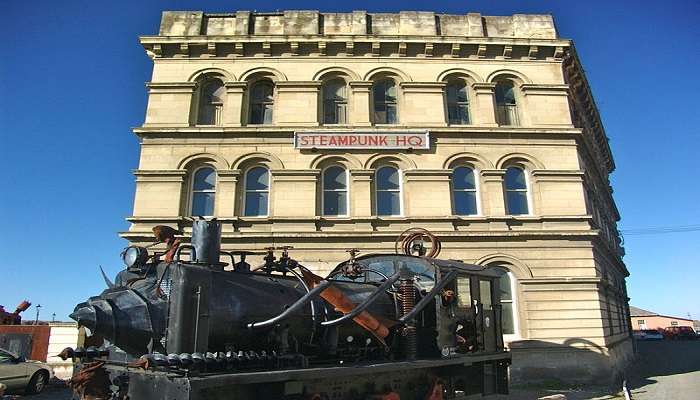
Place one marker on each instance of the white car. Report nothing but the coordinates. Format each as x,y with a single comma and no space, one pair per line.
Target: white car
18,374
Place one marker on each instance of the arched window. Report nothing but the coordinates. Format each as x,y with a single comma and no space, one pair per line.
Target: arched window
464,191
261,102
516,191
388,191
506,287
211,102
203,192
257,192
506,107
335,102
385,104
335,191
457,102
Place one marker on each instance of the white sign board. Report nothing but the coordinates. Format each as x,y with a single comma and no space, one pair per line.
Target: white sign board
361,140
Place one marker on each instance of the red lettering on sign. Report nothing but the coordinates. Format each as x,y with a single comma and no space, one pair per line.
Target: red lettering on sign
415,141
332,141
400,140
383,141
304,141
353,140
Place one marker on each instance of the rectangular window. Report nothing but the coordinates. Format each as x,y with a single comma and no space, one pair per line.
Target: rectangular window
640,322
335,202
485,294
674,323
464,292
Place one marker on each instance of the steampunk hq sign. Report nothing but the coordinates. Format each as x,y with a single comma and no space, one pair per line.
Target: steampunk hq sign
361,140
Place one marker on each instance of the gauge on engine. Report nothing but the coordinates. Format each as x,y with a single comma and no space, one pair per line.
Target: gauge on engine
134,256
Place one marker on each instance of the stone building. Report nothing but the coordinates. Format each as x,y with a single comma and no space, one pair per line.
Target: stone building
330,131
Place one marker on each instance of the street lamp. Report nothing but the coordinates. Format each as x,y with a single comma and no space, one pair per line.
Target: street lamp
36,321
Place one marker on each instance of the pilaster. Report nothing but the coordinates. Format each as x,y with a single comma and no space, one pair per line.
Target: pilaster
233,108
359,112
483,109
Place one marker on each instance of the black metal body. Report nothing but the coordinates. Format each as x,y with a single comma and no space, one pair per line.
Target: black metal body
241,332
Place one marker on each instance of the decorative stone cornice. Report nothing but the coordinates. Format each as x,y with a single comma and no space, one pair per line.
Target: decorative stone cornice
543,89
431,175
174,175
549,175
422,87
484,87
170,87
295,175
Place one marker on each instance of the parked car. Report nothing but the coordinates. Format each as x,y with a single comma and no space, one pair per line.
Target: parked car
680,333
647,334
18,374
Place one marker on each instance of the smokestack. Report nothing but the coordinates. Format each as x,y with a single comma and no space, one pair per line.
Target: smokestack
206,240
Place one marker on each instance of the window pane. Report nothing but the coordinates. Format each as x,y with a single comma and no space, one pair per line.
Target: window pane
204,179
257,114
341,113
335,203
517,203
256,204
262,92
485,293
203,203
504,287
464,296
465,203
507,318
257,179
505,93
380,115
334,178
463,178
515,179
388,203
391,117
387,178
267,110
334,90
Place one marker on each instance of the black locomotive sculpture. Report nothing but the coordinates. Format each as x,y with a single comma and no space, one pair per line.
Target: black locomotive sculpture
384,323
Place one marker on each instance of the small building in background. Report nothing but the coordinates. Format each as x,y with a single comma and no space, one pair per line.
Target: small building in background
643,319
41,342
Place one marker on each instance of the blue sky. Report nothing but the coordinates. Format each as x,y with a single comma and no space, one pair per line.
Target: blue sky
72,85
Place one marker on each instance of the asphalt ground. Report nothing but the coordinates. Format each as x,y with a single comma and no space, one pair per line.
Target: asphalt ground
663,370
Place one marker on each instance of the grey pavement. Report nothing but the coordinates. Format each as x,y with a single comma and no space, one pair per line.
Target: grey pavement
666,370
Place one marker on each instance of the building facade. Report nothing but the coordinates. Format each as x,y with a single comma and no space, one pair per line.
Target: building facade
331,131
642,319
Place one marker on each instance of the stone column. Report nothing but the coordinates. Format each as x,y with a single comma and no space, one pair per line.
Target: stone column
427,193
484,105
545,105
293,193
226,188
361,198
492,192
359,111
297,103
169,103
159,193
233,107
423,103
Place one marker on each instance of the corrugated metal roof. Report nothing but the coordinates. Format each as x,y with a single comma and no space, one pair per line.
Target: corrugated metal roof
638,312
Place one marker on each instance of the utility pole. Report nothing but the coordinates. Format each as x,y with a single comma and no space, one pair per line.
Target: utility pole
36,321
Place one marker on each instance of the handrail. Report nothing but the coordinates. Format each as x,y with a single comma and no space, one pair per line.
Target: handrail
294,307
428,297
366,303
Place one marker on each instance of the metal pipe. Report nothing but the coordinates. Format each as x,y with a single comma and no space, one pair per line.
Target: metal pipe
366,303
193,254
196,322
294,307
313,308
428,297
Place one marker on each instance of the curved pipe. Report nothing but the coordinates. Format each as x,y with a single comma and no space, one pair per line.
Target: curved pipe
366,303
193,253
428,297
294,307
